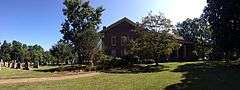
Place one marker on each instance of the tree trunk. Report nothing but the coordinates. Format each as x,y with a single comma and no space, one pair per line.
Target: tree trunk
26,65
4,64
227,57
39,62
73,62
156,62
13,64
66,62
80,58
8,64
58,62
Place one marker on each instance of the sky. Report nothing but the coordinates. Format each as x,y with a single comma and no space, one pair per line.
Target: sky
39,21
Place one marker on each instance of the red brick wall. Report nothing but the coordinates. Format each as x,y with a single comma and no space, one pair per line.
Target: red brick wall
123,29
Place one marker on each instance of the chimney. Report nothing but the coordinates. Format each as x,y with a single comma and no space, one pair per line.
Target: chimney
104,27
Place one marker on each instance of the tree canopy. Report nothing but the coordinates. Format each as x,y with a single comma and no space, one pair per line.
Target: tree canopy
17,52
224,17
80,27
198,32
154,40
63,52
5,51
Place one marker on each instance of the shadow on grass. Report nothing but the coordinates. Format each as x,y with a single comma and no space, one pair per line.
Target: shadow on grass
4,78
123,70
208,76
134,69
64,68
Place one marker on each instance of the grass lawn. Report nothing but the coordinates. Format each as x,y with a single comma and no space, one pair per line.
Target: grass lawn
175,76
7,73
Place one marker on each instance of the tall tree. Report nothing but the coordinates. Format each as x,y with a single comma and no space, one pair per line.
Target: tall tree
36,53
198,31
157,23
5,52
16,53
80,26
27,56
63,52
48,58
156,41
224,17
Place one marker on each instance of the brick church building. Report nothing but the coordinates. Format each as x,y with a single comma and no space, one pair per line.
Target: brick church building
115,37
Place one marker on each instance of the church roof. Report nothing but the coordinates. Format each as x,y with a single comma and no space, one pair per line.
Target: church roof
117,23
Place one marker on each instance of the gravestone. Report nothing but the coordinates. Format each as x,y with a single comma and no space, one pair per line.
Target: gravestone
26,66
9,64
13,64
6,64
22,65
18,65
36,65
1,63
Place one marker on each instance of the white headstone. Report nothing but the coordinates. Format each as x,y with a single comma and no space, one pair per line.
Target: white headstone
1,64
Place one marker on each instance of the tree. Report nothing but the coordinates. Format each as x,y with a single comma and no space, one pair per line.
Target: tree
80,27
198,31
5,52
36,53
27,56
16,54
224,18
20,53
48,58
156,41
157,23
63,52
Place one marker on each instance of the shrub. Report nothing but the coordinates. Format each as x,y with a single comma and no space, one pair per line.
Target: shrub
105,62
131,59
102,61
113,63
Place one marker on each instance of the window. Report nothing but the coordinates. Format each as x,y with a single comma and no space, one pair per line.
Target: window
113,41
123,40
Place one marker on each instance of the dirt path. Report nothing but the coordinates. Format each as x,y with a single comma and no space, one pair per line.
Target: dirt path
30,80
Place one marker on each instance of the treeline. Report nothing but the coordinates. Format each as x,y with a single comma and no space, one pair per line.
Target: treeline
21,56
215,36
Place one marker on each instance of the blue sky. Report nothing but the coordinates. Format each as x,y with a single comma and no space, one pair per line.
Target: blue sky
39,21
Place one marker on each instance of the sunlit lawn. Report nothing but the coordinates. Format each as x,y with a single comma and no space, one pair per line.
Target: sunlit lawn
140,81
7,73
174,76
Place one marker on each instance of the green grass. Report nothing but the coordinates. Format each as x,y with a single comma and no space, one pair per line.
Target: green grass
140,81
104,82
175,76
7,73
